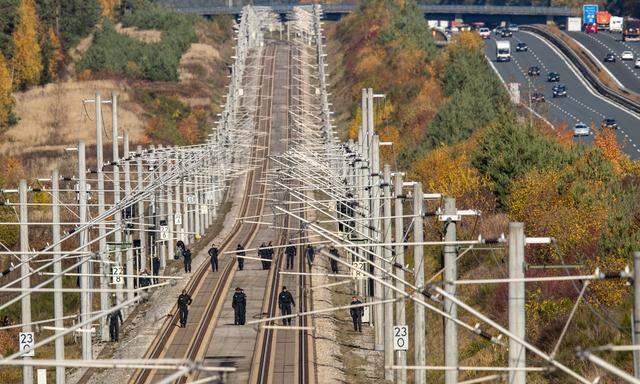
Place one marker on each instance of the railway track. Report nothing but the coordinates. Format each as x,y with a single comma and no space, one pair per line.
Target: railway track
265,358
241,231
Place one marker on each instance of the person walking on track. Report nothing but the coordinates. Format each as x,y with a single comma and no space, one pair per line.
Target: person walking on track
269,255
241,253
262,255
213,254
310,254
239,305
155,269
285,301
356,314
334,263
184,301
115,319
290,251
187,260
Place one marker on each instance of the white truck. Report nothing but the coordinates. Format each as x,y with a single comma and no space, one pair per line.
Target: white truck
503,50
615,25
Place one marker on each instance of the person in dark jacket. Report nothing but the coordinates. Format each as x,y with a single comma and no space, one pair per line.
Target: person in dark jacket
184,301
262,255
240,252
155,265
356,314
114,319
285,301
239,305
145,281
269,255
187,260
213,254
290,251
334,263
310,254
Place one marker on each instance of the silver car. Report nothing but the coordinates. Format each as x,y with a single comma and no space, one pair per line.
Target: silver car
581,129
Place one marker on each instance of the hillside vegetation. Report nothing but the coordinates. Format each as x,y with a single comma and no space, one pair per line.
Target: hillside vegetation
169,71
455,130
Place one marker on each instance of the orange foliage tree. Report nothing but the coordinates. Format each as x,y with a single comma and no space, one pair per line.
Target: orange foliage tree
448,171
26,61
108,7
56,58
6,100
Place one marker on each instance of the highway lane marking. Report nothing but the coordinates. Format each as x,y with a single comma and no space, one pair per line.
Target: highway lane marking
624,62
621,42
588,86
551,103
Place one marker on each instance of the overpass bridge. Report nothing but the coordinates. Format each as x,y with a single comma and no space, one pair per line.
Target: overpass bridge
468,13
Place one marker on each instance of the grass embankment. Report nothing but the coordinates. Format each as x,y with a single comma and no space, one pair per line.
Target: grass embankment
454,130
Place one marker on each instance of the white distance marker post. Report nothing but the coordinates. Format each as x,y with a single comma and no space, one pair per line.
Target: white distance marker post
26,342
358,267
164,232
42,376
116,272
177,219
400,338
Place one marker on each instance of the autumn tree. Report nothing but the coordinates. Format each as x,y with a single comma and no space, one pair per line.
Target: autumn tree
6,101
108,7
26,49
52,57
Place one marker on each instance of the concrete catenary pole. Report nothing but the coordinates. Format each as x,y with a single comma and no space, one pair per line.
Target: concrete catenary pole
142,233
85,302
25,282
170,222
388,307
450,275
375,235
102,230
162,211
115,158
401,356
636,313
127,192
420,348
517,358
58,306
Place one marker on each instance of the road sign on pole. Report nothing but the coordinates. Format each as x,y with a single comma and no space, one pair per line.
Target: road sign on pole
400,338
26,341
589,13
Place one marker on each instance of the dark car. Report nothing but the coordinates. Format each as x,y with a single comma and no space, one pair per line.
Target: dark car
609,123
537,97
553,77
534,71
506,33
522,47
559,91
610,58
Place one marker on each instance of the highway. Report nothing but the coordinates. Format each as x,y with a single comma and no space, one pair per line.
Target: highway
582,103
601,43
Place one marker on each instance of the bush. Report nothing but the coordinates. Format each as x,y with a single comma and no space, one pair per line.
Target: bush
508,150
